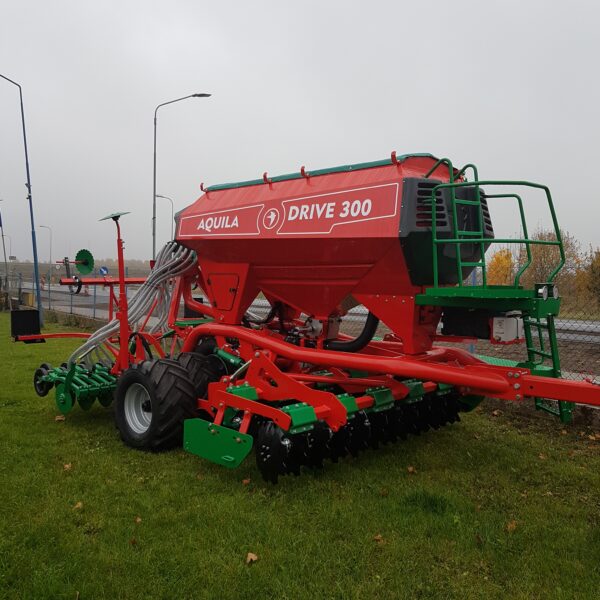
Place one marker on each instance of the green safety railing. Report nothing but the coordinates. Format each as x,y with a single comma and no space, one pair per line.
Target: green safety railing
448,163
477,236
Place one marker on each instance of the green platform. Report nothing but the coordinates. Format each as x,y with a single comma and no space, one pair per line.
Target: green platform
221,445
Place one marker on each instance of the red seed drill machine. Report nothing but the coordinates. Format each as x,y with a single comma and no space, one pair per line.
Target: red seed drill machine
187,360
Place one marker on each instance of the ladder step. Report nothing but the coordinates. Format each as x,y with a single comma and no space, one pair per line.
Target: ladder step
561,409
472,264
473,233
539,353
542,404
468,202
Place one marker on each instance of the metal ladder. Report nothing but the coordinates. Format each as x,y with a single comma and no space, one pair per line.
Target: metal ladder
466,234
539,351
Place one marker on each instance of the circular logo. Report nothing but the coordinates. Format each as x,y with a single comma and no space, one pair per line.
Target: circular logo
270,218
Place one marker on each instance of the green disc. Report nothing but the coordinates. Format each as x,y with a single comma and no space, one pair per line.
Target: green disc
85,261
86,402
64,400
106,399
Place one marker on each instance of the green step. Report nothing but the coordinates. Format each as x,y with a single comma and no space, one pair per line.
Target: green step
472,264
540,353
563,410
467,202
221,445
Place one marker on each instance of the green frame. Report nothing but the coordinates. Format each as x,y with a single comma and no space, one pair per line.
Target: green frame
469,237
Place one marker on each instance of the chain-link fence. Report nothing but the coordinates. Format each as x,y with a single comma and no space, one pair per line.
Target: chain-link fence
92,301
578,336
577,327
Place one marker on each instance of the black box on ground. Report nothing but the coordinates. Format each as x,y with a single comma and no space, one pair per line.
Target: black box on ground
25,322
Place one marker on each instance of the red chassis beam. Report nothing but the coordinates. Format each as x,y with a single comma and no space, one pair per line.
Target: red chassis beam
473,376
101,281
50,336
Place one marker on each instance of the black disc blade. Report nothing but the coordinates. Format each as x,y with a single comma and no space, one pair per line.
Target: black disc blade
272,449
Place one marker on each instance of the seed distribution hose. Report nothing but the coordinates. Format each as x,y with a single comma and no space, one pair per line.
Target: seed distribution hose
172,261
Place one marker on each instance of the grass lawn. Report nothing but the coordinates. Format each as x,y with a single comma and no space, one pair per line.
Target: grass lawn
499,506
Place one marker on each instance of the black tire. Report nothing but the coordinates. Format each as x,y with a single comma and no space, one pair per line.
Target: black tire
202,370
161,388
206,346
41,387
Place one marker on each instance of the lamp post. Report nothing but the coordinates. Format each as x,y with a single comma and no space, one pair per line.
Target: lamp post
5,261
154,178
50,266
36,273
172,211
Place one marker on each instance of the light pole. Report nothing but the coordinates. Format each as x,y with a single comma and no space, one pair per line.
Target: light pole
154,178
172,213
5,261
36,273
50,266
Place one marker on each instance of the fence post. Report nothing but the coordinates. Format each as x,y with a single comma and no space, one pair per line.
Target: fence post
71,302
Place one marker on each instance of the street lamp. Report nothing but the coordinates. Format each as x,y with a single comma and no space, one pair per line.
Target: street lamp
36,273
154,179
172,213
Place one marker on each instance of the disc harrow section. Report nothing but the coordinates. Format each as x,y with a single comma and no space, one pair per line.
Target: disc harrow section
309,442
75,385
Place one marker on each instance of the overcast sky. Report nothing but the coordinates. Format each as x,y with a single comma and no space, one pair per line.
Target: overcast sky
510,85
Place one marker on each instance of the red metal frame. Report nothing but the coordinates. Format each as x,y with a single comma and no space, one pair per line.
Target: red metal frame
246,246
51,336
454,366
106,281
295,242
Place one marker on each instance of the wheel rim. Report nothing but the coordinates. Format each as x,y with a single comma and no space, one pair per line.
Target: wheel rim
41,387
138,408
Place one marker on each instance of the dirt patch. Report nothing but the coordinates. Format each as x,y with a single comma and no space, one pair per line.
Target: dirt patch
525,415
